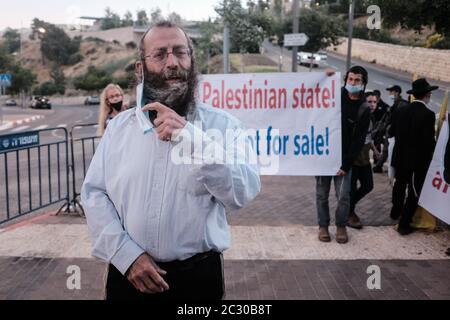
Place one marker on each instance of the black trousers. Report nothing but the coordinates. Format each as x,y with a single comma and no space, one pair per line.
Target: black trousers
197,278
365,178
399,194
415,185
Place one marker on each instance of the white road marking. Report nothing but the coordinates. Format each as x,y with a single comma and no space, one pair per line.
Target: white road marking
381,83
89,115
44,126
5,126
21,128
62,125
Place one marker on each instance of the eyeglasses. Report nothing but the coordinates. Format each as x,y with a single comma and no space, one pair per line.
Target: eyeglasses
161,55
118,95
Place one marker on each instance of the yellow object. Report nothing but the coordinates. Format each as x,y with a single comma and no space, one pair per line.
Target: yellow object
411,97
422,219
442,113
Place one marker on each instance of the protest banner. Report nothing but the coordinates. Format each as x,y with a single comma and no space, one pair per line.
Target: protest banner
296,117
435,195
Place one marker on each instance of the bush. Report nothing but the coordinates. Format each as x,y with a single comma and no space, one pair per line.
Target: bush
131,45
439,42
108,49
48,89
91,51
382,35
93,80
116,42
74,59
95,39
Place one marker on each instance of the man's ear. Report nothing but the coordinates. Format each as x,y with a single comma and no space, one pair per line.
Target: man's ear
139,70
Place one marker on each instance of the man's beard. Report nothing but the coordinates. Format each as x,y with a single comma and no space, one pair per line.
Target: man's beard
179,96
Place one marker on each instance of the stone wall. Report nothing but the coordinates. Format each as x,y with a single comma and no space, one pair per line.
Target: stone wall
430,63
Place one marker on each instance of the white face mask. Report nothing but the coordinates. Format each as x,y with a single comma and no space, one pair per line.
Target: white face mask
391,98
142,117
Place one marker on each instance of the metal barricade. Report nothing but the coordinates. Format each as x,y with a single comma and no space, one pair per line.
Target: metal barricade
82,150
45,167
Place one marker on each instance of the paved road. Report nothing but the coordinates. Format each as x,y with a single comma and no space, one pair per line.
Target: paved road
45,181
379,77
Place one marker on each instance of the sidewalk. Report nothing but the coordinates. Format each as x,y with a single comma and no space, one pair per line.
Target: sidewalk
275,253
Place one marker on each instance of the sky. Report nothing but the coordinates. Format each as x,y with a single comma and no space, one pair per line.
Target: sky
20,13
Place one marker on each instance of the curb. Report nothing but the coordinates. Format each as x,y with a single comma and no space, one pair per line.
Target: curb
11,124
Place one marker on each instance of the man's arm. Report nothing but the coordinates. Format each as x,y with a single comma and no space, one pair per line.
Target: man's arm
233,184
358,139
110,242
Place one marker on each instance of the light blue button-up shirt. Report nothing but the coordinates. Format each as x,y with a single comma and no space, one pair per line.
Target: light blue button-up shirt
137,199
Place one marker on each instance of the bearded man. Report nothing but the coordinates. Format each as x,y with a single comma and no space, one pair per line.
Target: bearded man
159,223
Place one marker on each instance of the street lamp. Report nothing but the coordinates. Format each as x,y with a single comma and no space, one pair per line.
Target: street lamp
41,33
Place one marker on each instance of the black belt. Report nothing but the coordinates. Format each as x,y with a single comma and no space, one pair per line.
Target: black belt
188,263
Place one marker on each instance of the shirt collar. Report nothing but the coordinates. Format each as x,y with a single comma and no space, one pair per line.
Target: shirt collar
426,105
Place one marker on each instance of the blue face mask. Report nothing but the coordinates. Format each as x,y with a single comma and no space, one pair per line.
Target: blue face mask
392,98
353,89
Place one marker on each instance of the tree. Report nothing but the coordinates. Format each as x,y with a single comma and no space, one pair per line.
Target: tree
94,79
175,17
22,79
56,45
156,15
5,58
127,20
322,30
111,20
247,30
415,14
142,18
59,80
12,38
208,45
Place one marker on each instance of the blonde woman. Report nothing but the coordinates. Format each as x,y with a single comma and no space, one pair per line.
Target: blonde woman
111,103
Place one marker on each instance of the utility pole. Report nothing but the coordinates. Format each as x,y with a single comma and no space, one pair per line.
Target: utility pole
295,29
351,10
226,47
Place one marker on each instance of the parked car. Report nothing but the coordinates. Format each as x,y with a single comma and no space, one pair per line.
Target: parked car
92,100
38,102
10,102
319,59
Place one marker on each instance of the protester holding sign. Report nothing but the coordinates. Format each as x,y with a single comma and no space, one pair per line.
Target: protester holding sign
354,126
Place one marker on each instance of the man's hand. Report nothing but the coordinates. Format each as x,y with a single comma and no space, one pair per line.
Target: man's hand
145,275
341,173
329,72
167,120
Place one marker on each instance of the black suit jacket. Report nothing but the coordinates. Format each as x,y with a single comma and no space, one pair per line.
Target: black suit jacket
413,129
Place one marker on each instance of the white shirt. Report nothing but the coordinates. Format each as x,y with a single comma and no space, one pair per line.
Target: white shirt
136,199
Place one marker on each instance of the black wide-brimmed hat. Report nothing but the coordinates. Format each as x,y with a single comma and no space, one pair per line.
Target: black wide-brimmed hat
421,87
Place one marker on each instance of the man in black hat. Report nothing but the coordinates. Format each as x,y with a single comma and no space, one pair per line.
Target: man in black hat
413,129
